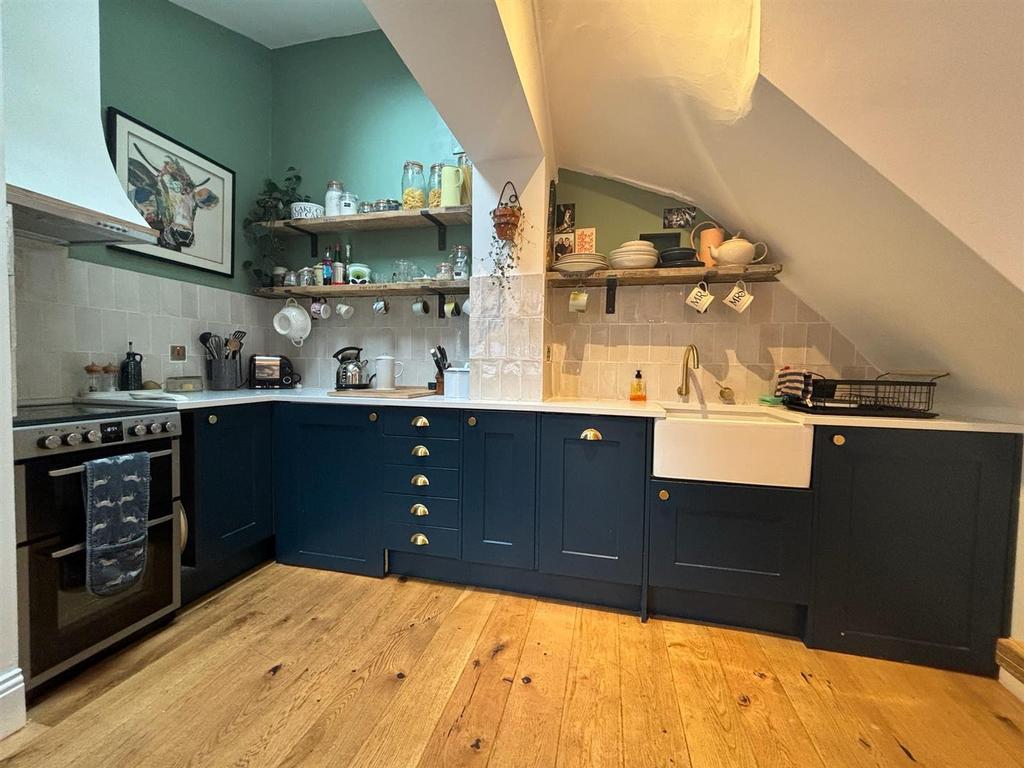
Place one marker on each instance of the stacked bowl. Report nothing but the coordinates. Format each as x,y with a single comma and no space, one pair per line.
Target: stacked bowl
573,263
634,254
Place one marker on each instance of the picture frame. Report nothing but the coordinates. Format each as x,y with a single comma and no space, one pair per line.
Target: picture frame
188,197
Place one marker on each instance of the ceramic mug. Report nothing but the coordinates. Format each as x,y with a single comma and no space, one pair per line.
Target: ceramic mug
294,322
420,306
466,306
380,306
700,298
739,297
320,309
578,301
451,308
345,311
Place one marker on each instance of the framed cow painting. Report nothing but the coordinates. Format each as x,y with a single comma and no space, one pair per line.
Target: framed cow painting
183,194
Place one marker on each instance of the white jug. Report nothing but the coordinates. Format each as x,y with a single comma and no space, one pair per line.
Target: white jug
386,373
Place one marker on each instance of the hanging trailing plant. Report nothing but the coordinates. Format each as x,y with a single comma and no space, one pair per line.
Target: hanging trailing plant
506,240
272,204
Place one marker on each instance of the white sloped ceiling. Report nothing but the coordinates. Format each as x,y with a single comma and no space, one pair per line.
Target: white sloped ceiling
627,103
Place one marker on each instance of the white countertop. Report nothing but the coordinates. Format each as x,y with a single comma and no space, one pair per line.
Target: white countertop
652,410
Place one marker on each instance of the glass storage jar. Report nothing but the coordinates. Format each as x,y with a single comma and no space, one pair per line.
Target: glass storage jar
460,258
414,194
434,186
332,198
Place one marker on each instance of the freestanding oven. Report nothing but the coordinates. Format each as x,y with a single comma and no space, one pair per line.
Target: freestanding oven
60,623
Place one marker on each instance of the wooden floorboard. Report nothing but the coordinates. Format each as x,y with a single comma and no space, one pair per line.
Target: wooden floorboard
297,667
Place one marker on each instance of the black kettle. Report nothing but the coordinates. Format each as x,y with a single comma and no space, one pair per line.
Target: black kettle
130,376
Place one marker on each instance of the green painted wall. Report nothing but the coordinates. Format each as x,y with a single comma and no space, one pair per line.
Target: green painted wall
200,83
619,211
347,108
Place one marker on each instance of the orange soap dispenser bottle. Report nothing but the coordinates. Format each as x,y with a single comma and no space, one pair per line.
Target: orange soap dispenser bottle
638,387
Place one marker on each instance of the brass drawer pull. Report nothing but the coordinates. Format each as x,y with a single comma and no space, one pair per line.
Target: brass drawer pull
420,451
838,440
212,418
591,434
419,480
419,539
471,421
663,494
420,421
372,417
419,510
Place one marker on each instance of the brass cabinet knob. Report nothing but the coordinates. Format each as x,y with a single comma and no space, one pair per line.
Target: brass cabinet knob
663,494
591,434
419,539
419,480
420,451
420,421
419,510
471,421
373,416
212,418
838,440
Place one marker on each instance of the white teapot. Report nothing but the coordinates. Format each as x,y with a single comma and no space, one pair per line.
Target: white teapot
738,252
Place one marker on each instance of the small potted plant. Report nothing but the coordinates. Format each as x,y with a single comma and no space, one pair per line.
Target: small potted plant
272,204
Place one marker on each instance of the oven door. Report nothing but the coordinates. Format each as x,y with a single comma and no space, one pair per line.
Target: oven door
61,622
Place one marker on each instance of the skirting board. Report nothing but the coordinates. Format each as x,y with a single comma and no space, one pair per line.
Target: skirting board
1012,684
12,701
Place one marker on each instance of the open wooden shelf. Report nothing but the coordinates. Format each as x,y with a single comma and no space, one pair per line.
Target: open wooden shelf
369,290
420,219
754,273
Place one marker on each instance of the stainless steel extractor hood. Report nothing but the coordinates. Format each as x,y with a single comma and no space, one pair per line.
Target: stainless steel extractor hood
60,181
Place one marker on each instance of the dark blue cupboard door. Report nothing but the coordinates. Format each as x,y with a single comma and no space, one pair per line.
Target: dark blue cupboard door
592,497
499,487
326,487
741,540
913,531
229,478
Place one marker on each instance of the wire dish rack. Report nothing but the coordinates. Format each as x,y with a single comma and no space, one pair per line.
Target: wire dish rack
872,397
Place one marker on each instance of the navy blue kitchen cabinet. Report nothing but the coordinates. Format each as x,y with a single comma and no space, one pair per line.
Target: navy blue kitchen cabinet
593,477
326,487
913,538
741,540
499,487
226,481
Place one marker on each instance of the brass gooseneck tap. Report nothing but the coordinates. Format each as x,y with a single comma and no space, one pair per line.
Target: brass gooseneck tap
689,353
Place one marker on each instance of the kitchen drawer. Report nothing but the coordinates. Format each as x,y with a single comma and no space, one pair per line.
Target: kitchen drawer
422,422
441,542
398,478
404,450
441,512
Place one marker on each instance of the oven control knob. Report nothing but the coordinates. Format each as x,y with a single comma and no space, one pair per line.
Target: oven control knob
170,426
138,430
49,442
72,439
93,436
156,428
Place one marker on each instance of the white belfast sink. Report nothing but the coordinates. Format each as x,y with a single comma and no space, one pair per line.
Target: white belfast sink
754,445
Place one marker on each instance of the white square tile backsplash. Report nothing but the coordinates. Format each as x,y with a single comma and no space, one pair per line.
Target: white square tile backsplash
596,355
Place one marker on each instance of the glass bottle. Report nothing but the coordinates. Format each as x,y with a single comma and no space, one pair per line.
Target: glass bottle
638,388
460,258
434,186
414,194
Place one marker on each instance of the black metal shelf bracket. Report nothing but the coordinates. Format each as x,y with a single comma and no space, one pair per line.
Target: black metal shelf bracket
442,229
611,285
314,240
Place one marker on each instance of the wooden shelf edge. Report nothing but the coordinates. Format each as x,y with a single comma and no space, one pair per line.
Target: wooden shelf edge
452,216
1010,656
754,273
369,290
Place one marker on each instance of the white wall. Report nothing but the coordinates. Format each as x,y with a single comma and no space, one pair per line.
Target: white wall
12,688
928,93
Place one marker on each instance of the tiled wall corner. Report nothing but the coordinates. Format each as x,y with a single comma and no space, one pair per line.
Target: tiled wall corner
597,355
507,338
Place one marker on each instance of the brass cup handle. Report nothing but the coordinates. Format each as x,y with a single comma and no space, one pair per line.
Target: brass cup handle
420,451
419,510
420,421
419,539
419,480
591,434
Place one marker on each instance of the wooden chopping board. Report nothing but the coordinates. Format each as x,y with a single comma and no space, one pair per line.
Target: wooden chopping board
402,393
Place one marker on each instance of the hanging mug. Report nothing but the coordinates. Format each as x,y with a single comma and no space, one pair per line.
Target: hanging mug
700,298
380,306
578,301
739,297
